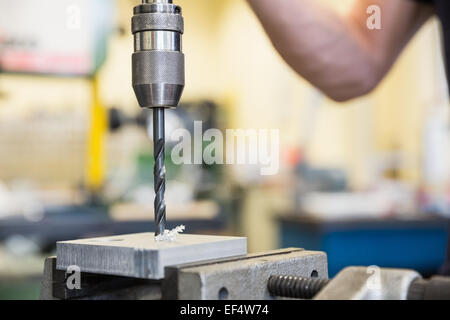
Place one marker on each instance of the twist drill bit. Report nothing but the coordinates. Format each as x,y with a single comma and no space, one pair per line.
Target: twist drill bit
159,170
158,77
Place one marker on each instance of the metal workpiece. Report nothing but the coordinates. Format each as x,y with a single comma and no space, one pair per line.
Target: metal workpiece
369,283
243,278
158,61
141,256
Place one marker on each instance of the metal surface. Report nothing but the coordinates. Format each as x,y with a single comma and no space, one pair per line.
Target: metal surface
47,279
156,1
158,40
295,287
158,60
436,288
159,172
242,278
140,256
361,283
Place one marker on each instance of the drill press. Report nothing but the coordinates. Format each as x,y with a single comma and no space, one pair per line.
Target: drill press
158,77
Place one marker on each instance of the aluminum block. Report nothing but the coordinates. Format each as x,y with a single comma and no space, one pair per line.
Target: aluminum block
140,256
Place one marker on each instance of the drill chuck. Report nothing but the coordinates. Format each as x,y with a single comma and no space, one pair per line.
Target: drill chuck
158,60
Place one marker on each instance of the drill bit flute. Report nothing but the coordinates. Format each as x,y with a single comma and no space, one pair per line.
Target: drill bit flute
159,170
158,77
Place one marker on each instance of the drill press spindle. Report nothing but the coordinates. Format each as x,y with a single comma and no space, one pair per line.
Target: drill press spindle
158,77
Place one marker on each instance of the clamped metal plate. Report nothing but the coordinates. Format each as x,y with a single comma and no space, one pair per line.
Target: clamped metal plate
140,256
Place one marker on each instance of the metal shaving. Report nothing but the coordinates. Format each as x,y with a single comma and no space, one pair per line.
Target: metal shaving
170,235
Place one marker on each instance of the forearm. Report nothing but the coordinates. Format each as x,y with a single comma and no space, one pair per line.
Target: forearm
337,54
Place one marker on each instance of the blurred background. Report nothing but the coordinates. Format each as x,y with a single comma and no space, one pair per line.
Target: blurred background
366,181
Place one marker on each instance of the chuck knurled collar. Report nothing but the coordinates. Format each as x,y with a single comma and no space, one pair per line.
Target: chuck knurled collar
157,21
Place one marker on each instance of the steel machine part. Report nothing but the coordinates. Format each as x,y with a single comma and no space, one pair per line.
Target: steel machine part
159,172
158,60
373,283
241,278
158,77
436,288
296,287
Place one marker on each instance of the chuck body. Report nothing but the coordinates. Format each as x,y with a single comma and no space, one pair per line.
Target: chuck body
158,60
